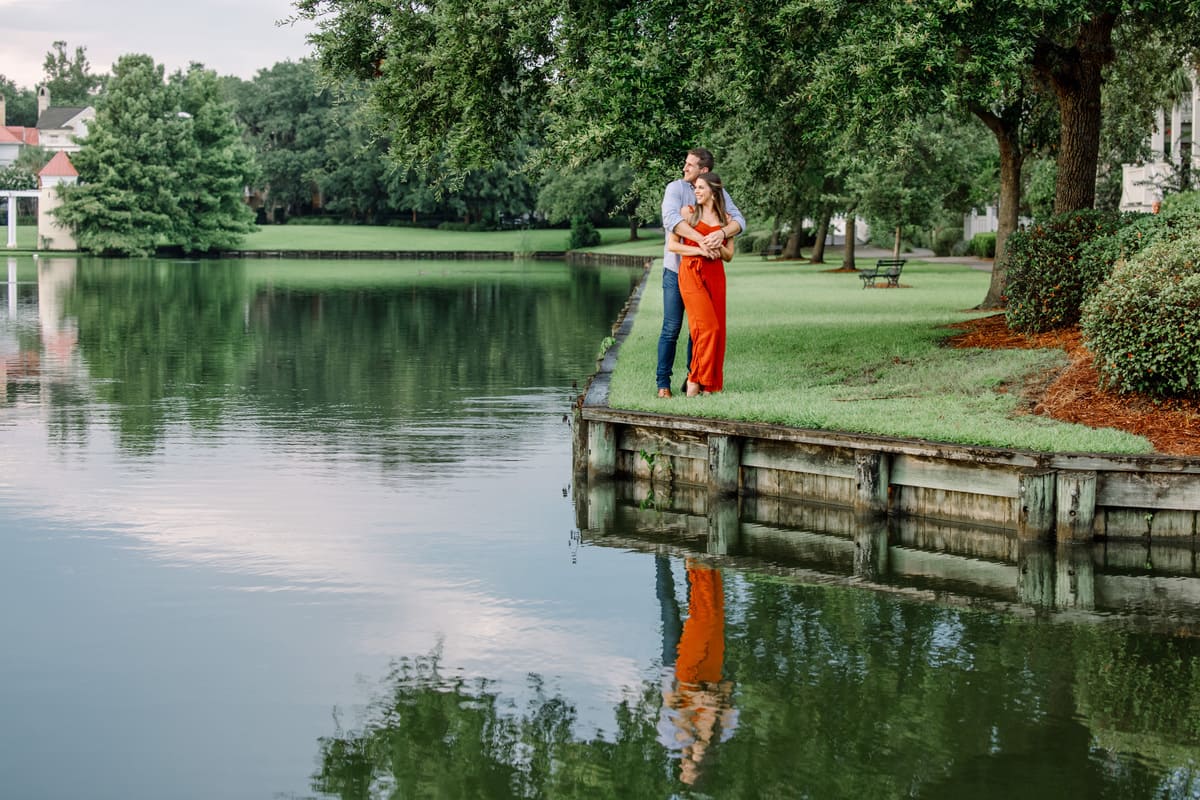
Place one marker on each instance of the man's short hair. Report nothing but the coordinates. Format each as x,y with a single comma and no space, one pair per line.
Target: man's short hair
704,158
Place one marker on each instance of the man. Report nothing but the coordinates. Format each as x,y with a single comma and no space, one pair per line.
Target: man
681,193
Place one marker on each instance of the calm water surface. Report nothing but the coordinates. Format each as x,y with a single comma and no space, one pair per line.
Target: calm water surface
309,529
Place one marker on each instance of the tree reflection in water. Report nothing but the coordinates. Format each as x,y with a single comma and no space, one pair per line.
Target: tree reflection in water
773,689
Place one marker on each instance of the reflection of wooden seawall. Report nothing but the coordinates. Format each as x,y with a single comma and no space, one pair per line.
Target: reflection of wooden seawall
1154,586
1070,497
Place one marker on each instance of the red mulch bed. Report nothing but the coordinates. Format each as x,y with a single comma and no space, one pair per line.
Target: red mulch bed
1073,395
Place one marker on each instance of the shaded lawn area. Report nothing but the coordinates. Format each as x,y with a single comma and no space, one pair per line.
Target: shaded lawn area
812,349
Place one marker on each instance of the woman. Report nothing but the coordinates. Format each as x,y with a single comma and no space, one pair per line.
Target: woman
702,286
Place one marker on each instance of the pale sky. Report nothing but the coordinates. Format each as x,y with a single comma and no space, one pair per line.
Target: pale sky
233,37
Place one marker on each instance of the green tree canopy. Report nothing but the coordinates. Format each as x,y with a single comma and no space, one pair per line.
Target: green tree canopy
162,166
69,77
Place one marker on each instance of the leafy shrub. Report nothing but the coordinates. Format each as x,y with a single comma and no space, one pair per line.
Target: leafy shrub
583,233
1144,321
983,245
1139,230
943,240
1047,280
755,241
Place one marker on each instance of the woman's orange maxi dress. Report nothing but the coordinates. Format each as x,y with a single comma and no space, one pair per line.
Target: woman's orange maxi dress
702,286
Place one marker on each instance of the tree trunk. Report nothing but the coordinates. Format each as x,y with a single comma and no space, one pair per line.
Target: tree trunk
1075,74
633,229
848,251
1012,158
792,248
818,252
896,246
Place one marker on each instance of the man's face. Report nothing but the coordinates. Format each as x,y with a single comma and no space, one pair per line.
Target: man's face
691,169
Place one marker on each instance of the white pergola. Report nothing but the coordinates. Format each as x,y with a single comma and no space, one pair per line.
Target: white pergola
12,194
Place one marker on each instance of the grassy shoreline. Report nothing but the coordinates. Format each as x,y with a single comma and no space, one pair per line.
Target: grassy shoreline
810,348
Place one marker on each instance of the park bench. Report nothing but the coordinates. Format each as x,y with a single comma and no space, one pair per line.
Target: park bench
772,250
887,269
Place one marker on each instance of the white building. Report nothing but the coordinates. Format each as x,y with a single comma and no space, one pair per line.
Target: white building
58,128
1171,147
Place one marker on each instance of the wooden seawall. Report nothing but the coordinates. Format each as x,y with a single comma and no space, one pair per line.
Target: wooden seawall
1065,496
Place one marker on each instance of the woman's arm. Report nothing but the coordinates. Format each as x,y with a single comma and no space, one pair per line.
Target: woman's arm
727,250
676,245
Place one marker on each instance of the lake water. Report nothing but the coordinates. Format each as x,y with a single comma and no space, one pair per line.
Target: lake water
310,529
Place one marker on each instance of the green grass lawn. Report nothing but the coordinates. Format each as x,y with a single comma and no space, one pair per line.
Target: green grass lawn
26,236
812,349
366,237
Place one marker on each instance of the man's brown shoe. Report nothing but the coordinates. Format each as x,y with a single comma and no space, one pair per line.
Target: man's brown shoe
664,393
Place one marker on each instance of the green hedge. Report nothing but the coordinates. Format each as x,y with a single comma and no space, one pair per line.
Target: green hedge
1047,279
983,245
1144,322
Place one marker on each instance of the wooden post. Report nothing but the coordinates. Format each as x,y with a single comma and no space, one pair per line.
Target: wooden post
724,524
1035,512
1075,585
601,506
873,472
1076,503
724,464
870,547
1035,574
602,449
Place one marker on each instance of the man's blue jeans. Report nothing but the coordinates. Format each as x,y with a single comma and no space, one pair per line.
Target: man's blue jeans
672,325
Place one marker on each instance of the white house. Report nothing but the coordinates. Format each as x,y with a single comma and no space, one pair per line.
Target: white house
57,129
1171,147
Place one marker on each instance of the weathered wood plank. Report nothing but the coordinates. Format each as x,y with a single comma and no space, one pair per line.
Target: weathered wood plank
1132,490
955,476
977,509
667,443
795,457
1173,525
1124,523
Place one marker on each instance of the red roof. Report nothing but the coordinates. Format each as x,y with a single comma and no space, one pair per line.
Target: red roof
16,133
59,167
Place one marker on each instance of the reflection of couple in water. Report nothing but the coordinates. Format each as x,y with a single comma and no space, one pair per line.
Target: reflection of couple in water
697,707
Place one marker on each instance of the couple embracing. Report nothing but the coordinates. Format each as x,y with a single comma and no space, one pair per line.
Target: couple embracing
700,220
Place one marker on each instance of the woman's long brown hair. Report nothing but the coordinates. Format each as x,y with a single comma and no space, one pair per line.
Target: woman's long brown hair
718,193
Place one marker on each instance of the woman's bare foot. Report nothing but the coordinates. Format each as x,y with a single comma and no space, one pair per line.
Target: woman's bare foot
693,388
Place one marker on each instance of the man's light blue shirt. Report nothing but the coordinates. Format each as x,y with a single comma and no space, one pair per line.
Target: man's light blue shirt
679,194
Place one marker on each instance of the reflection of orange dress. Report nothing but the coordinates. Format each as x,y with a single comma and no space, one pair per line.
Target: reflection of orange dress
702,286
702,645
700,702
